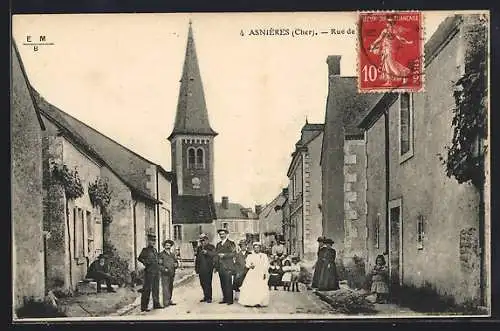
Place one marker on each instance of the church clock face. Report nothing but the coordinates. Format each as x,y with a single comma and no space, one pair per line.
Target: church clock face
196,182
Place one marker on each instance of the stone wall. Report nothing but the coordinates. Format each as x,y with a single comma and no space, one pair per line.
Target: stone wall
27,193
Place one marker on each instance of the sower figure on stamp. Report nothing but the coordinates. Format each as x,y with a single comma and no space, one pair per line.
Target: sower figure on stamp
99,270
226,251
149,257
204,266
168,265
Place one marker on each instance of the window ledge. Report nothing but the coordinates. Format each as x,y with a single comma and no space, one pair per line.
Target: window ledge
405,157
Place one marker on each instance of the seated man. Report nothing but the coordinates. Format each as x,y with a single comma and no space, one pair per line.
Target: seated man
99,271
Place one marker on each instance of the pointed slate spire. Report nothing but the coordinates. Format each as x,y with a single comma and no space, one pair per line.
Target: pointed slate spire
192,114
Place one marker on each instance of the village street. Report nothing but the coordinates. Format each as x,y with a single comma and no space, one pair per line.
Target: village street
188,295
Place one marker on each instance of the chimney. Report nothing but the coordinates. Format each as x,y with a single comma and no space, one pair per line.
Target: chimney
258,209
225,202
333,62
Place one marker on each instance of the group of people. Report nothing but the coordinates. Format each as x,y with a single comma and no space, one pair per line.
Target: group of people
241,272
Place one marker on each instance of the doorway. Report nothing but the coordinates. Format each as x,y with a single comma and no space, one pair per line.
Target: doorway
395,243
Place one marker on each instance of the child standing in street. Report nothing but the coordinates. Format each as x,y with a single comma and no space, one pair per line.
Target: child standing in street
275,273
295,268
379,280
287,275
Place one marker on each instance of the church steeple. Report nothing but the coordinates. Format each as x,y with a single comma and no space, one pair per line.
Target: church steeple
192,115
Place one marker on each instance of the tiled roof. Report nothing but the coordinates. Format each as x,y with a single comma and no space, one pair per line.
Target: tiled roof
127,165
191,209
347,99
234,211
192,114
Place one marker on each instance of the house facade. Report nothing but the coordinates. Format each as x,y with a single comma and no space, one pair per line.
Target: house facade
416,213
343,163
242,223
304,190
28,246
271,220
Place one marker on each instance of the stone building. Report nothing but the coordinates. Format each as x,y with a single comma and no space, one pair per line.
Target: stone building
304,190
271,220
28,258
429,216
141,198
241,222
343,162
192,147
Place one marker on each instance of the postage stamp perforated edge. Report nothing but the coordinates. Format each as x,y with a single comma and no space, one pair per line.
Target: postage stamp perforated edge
422,52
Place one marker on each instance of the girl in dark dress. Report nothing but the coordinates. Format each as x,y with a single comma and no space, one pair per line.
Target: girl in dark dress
380,277
275,273
328,278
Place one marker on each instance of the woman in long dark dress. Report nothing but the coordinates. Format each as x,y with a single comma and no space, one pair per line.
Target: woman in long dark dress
318,264
328,278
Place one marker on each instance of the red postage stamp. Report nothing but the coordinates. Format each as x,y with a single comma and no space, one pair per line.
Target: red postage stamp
390,52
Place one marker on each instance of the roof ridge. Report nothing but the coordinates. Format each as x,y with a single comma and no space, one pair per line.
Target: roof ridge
97,131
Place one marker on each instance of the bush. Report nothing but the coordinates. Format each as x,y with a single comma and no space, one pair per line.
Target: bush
33,308
305,276
119,269
348,302
137,277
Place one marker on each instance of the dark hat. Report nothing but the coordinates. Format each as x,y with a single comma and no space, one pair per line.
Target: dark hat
321,239
222,230
242,242
101,256
328,241
203,236
171,242
151,234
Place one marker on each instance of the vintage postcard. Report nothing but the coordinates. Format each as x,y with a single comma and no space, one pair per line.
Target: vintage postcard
253,166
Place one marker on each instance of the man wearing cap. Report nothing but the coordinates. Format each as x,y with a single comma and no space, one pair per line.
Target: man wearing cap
226,251
99,271
204,266
149,257
239,265
168,265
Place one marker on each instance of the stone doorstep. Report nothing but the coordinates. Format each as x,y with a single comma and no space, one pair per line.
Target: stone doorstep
86,287
125,310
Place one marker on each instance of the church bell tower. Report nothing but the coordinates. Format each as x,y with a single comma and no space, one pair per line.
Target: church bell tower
192,139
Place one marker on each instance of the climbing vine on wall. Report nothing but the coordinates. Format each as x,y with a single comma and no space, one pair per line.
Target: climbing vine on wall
69,179
100,195
465,156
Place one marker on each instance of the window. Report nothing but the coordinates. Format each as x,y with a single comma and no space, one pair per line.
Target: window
376,231
78,230
224,225
200,158
200,229
90,233
420,232
191,161
405,126
177,232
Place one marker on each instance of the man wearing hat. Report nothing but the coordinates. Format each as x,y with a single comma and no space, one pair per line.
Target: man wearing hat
318,264
168,265
240,265
204,266
149,257
99,271
226,251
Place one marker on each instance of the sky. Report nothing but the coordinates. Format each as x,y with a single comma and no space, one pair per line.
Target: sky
119,73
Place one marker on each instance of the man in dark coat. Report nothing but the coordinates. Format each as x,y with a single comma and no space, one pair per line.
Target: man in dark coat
99,271
226,251
318,264
149,258
168,265
328,278
239,265
204,266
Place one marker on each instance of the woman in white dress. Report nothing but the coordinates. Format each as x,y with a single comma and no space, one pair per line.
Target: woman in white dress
254,292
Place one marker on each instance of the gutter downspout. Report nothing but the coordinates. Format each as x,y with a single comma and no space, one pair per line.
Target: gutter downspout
135,234
387,181
158,211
